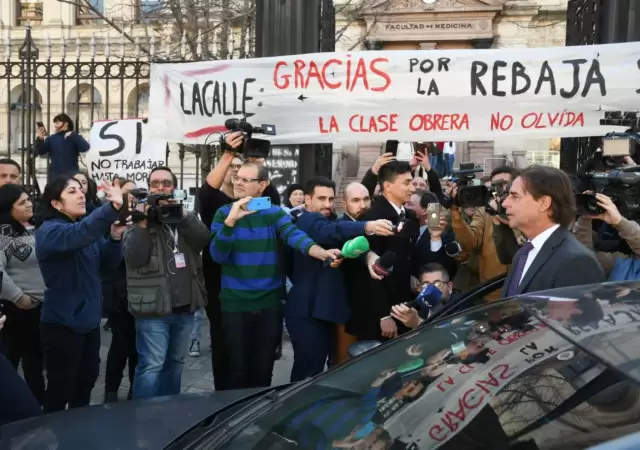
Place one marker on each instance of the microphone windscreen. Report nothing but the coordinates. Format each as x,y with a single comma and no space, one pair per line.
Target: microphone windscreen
231,124
387,259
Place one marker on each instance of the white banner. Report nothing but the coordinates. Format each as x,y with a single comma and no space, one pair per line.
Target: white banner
405,95
124,148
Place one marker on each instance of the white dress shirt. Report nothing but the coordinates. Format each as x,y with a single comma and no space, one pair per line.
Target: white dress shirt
537,243
399,209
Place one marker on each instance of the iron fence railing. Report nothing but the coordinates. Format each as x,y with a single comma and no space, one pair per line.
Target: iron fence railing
104,83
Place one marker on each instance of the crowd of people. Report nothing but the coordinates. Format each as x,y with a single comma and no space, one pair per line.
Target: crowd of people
75,258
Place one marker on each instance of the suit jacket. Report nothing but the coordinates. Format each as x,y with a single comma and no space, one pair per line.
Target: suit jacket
319,291
422,254
561,262
372,299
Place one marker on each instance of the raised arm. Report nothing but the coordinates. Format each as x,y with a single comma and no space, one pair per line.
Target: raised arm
57,237
326,232
42,146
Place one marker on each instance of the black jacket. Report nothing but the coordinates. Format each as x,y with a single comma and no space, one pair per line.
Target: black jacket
373,298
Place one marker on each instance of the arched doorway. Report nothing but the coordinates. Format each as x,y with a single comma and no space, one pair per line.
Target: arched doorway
84,106
138,102
25,109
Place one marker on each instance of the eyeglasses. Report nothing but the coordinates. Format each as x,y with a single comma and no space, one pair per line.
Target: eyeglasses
236,179
163,183
235,166
439,284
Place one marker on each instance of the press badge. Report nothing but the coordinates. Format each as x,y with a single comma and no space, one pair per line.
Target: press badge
180,261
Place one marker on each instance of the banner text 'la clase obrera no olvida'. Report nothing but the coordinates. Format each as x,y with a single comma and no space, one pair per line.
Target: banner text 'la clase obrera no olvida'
403,95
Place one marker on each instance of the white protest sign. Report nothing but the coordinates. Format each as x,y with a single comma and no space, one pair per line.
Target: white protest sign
124,148
434,95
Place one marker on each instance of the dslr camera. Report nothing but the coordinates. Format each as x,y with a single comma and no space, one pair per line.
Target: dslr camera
167,214
251,147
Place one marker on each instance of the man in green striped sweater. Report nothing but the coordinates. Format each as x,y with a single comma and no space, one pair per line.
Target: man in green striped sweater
245,244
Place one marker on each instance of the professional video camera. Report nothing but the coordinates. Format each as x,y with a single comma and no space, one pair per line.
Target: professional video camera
473,194
622,185
167,214
252,147
609,177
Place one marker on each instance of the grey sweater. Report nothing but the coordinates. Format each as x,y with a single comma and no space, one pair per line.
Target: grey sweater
19,264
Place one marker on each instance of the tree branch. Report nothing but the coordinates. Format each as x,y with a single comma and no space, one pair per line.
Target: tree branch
109,22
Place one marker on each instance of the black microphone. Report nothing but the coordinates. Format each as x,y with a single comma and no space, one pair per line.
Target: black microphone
238,125
384,265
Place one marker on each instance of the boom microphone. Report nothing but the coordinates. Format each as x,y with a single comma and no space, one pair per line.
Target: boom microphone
428,297
384,265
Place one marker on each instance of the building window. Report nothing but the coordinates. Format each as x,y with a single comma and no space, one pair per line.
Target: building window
86,15
29,12
150,10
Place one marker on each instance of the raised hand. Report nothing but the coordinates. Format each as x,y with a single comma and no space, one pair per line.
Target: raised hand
238,211
112,193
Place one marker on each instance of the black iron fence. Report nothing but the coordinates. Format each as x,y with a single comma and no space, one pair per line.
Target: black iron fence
88,84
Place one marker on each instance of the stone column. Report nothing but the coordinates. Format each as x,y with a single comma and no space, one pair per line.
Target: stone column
59,13
427,45
8,13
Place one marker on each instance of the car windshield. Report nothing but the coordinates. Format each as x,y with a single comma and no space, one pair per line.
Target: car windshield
494,377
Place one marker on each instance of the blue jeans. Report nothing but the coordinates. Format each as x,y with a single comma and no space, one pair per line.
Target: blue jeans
198,319
449,160
162,344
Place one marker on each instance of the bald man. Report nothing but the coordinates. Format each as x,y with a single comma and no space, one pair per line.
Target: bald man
356,200
420,184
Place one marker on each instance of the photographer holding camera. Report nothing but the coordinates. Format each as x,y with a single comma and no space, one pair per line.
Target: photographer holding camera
479,234
165,285
618,266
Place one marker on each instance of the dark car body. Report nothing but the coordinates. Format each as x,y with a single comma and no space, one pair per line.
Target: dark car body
552,370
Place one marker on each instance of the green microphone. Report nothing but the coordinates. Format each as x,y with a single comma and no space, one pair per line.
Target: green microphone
355,247
352,249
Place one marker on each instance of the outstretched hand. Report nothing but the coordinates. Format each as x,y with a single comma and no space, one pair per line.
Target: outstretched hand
112,193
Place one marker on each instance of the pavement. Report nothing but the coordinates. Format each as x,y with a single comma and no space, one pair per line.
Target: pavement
197,375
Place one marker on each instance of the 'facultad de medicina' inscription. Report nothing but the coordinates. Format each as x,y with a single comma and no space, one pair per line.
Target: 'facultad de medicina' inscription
428,26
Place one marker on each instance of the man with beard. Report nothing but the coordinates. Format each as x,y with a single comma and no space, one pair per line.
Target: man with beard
318,298
356,200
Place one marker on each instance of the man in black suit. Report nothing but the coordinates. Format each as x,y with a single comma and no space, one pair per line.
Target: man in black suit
375,295
542,206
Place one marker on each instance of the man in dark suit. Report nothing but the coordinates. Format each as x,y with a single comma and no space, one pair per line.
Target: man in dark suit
370,317
542,206
318,298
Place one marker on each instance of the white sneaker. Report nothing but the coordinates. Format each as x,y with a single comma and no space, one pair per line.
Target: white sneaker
194,350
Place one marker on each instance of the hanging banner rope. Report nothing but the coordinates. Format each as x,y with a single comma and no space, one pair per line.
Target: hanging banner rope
404,95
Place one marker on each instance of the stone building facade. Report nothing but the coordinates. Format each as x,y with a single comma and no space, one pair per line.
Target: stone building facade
457,24
63,29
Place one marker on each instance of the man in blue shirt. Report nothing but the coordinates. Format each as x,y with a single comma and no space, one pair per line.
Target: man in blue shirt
64,146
